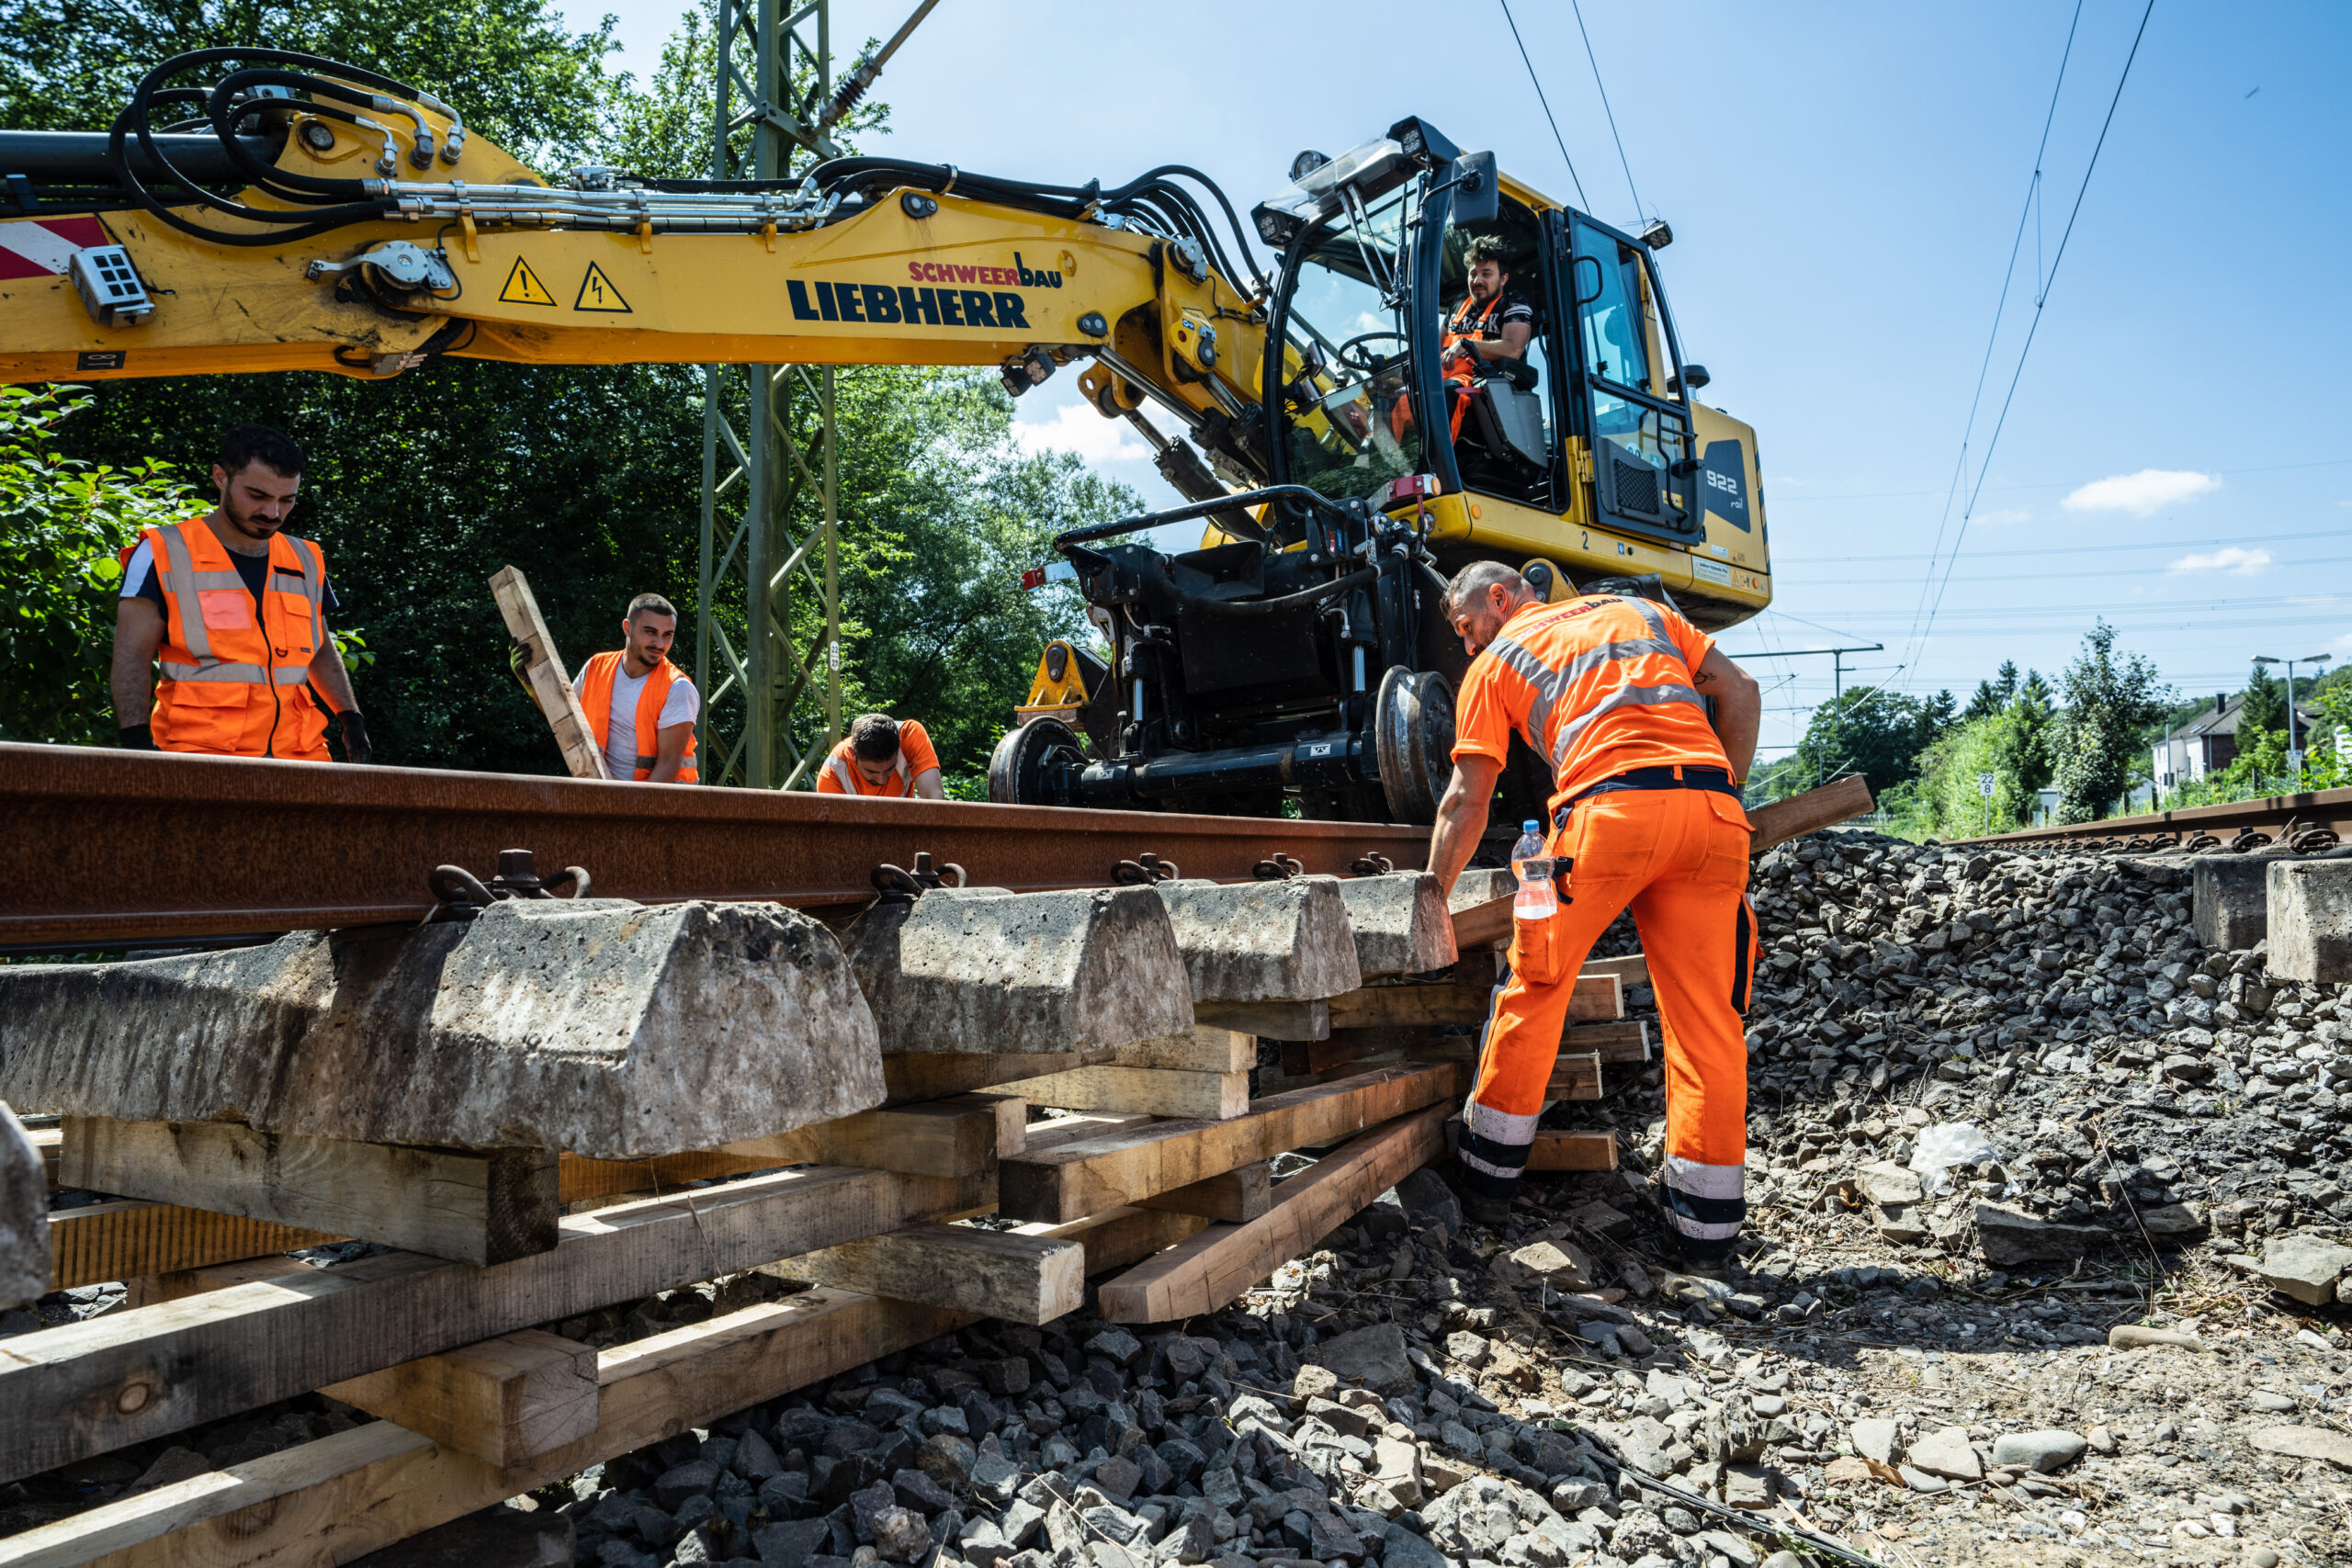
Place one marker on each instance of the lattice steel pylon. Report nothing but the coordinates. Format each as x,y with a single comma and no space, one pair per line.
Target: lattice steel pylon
765,122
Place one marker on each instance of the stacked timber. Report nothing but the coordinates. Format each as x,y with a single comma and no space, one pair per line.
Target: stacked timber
561,1105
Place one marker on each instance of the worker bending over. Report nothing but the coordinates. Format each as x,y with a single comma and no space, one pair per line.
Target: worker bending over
235,609
1645,810
883,756
641,705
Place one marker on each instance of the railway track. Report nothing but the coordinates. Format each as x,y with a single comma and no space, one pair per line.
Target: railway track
2312,822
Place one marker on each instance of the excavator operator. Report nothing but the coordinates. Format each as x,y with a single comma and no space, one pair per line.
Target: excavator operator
1491,326
1645,811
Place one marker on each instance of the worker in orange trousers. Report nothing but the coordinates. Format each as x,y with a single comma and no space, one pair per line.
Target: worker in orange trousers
1644,812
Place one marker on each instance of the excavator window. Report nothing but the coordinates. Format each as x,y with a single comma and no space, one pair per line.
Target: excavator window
1507,442
1349,427
1640,432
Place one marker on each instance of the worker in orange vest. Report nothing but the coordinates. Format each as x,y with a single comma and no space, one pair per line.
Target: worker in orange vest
883,756
1493,323
234,609
1644,811
640,706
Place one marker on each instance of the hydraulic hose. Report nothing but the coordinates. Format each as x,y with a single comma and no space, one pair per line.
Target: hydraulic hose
1298,601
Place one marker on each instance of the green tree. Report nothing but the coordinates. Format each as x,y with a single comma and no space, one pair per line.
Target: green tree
2110,702
1870,731
62,522
2264,709
1995,694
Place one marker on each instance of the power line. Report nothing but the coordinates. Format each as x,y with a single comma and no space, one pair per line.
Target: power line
2041,299
2000,307
2054,484
1539,98
2079,549
1578,7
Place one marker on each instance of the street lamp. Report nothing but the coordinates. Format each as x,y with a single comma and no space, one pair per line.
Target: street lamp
2294,746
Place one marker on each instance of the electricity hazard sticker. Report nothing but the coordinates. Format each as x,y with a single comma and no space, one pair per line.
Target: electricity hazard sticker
523,288
597,293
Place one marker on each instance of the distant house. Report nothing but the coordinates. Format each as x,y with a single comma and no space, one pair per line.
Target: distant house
2208,742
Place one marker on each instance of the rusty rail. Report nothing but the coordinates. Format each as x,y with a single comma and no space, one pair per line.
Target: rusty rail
114,846
2328,808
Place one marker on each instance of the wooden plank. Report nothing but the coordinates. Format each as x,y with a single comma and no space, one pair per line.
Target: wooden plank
1274,1020
1483,925
1072,1125
477,1206
1458,1006
958,1136
1631,970
550,682
1301,1057
1574,1076
935,1074
1203,1050
132,1240
1573,1151
341,1497
45,1143
1216,1267
993,1273
86,1387
1609,1042
1156,1091
1834,802
1061,1184
503,1400
1235,1197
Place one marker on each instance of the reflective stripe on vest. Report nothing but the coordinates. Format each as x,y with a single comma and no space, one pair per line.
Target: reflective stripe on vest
845,773
184,588
1551,684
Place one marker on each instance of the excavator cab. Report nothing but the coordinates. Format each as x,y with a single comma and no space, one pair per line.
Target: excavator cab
1300,658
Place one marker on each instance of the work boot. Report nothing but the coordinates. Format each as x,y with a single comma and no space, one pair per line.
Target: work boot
1493,1212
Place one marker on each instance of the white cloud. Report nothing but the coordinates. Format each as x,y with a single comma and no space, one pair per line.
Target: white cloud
1995,519
2141,493
1078,428
2238,562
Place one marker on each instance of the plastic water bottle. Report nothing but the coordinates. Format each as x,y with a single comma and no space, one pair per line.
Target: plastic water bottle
1532,864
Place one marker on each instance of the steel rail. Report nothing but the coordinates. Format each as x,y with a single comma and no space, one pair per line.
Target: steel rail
2329,808
113,846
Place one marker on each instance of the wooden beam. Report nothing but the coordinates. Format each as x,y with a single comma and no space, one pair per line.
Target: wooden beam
1155,1091
550,682
921,1076
993,1273
1631,970
46,1142
1301,1057
477,1206
1058,1185
1573,1151
341,1497
1834,802
1202,1050
1216,1267
1458,1006
959,1137
1274,1020
1483,925
1071,1126
1235,1197
1574,1076
1609,1042
132,1240
103,1382
503,1400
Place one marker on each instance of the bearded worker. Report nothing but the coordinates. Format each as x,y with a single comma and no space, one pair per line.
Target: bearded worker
1644,811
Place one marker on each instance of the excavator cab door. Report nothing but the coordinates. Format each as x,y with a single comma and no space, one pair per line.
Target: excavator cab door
1638,429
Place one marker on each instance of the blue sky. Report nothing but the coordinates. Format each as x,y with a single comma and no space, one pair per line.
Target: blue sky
1845,184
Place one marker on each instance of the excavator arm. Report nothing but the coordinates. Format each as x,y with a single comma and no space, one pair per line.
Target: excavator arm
359,229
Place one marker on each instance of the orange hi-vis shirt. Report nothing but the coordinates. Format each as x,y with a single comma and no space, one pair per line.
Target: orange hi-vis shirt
1597,686
840,774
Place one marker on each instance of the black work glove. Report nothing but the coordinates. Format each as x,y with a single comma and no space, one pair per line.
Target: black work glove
355,738
139,738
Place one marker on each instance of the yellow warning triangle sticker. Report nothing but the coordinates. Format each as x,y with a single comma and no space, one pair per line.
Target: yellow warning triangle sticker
597,293
523,288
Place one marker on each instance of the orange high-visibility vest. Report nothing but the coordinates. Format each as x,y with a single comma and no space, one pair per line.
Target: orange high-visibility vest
232,688
1598,685
1457,330
596,697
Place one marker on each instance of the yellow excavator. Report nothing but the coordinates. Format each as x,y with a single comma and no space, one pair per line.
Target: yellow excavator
257,210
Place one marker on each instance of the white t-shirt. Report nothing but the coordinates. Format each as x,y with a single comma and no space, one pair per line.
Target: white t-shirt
620,730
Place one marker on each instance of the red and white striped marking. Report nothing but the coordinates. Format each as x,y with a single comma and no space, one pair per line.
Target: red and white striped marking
36,247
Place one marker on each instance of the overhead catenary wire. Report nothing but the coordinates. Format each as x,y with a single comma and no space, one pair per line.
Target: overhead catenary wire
1578,7
2041,299
1581,199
